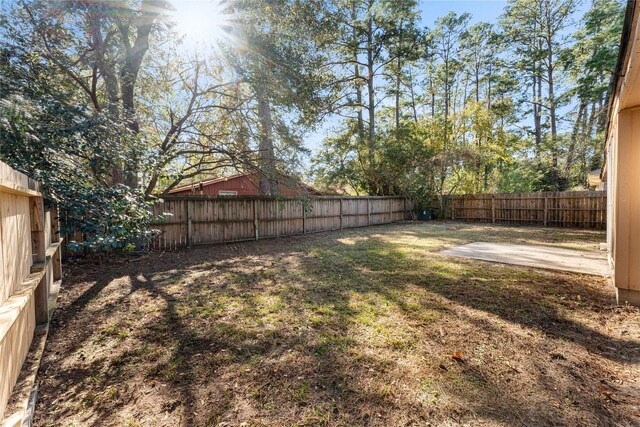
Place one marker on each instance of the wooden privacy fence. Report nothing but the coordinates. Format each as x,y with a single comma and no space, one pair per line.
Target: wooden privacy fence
198,219
29,263
204,219
571,209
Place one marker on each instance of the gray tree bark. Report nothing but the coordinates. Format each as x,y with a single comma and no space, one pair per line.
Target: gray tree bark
268,178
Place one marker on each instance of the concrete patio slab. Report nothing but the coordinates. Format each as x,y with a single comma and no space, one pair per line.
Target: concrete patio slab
594,263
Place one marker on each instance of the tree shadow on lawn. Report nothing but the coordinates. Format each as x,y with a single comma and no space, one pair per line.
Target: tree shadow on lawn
533,298
536,300
283,344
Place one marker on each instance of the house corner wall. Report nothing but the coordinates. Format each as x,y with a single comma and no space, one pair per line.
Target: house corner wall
626,206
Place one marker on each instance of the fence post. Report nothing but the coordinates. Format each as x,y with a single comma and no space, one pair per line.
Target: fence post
55,238
368,211
255,219
304,220
493,209
189,226
453,208
341,213
546,208
39,252
57,265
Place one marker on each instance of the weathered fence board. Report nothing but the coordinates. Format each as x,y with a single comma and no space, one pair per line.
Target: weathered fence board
29,264
571,209
192,220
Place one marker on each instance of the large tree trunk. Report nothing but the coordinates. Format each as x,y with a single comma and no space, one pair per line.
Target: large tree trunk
359,102
357,80
446,104
398,98
268,178
489,78
134,54
477,73
105,68
602,116
552,113
413,97
536,114
587,134
588,131
443,170
371,106
575,133
433,98
464,105
398,79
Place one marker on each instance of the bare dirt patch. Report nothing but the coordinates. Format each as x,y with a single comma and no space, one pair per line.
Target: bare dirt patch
359,327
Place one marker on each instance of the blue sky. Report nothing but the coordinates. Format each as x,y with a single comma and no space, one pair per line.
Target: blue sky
480,10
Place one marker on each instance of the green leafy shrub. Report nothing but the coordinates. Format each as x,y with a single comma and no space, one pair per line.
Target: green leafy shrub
112,219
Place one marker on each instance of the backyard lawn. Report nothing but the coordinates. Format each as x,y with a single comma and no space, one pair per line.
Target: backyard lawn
367,326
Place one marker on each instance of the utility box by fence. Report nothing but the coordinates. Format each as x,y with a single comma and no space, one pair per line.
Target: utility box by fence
29,264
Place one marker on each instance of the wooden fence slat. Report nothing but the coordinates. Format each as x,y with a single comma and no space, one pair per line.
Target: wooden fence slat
255,220
189,225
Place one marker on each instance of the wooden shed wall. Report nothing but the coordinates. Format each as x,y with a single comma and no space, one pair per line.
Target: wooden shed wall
243,185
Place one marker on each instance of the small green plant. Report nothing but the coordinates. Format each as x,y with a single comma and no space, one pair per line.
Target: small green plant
301,394
114,331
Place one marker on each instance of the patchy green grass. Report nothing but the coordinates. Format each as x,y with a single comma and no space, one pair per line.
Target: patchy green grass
359,327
